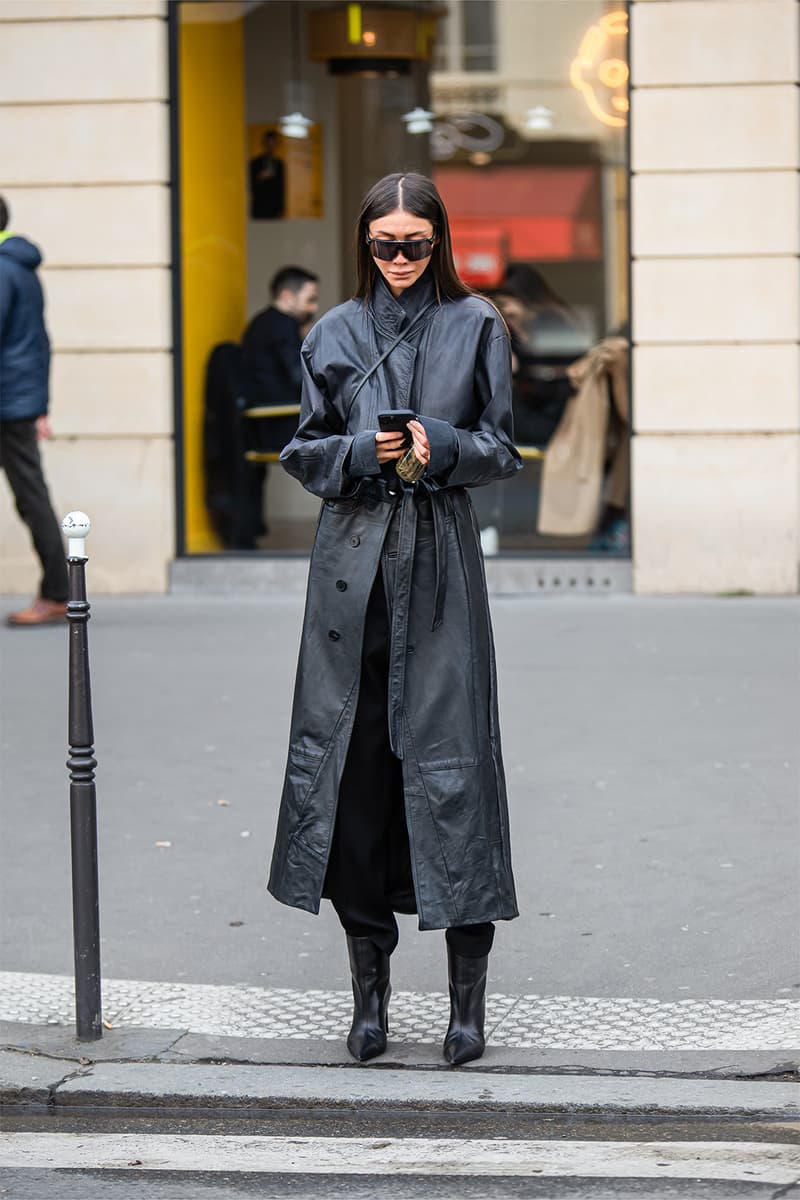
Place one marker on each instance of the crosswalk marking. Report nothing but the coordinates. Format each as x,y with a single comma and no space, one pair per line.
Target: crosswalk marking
774,1163
519,1022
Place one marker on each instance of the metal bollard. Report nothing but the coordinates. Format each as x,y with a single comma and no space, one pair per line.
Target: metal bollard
82,797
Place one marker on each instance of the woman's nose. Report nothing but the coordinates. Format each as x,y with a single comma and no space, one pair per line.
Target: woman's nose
400,256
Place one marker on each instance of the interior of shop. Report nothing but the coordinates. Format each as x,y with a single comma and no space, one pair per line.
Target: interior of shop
289,110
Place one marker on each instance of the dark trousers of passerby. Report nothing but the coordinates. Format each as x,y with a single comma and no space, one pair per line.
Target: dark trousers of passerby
22,463
369,874
248,511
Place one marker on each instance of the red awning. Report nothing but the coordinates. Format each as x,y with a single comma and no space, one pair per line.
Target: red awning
545,214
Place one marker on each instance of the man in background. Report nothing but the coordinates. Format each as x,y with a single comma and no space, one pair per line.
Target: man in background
271,376
272,340
267,186
24,397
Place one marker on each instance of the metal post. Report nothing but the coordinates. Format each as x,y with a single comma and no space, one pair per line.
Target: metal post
82,797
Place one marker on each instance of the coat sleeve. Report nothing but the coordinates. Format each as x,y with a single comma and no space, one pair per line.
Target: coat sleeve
470,457
328,462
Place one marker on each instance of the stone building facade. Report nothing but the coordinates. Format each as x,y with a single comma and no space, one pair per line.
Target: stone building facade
86,166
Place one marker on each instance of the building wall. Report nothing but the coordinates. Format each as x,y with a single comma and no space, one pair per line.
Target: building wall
84,148
716,310
84,154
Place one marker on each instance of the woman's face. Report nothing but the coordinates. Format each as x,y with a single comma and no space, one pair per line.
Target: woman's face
400,226
513,310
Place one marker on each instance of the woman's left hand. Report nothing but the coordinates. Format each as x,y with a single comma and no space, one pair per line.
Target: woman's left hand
421,445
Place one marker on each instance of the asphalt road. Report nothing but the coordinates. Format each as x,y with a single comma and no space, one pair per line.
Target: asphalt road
652,758
602,1142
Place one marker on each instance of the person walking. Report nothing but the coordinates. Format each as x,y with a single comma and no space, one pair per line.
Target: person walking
394,797
24,395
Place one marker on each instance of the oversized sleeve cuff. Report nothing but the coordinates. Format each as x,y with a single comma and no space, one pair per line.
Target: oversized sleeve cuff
443,441
363,457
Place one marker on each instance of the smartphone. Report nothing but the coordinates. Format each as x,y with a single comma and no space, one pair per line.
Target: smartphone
396,421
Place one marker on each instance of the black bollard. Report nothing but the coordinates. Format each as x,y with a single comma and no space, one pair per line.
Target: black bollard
82,796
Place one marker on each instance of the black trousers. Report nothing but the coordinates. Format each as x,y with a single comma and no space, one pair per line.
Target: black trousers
369,875
22,463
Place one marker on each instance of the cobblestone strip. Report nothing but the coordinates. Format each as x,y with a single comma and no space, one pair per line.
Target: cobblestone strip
532,1021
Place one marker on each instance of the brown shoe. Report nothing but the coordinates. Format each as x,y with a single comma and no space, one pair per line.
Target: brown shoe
41,612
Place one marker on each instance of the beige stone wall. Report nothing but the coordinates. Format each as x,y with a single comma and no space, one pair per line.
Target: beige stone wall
715,150
84,154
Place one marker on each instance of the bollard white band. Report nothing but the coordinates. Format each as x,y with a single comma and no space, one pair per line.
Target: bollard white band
76,525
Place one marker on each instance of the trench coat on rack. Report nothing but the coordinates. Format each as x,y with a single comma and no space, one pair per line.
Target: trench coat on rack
454,370
571,496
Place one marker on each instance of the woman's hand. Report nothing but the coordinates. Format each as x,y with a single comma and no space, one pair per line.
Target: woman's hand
389,446
422,447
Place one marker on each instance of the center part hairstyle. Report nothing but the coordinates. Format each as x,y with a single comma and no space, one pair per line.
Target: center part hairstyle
415,194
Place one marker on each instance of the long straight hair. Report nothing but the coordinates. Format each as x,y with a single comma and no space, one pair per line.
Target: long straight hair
415,194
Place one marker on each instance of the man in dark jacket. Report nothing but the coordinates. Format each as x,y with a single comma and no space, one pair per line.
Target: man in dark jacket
267,181
24,376
272,376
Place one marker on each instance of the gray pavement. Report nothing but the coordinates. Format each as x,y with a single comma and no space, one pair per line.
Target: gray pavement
652,759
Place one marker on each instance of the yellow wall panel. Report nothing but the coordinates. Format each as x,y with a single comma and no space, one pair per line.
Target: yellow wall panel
213,229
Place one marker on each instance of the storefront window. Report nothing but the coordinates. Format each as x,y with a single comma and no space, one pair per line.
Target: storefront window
288,111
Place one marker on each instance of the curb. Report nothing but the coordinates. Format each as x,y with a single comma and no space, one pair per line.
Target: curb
60,1084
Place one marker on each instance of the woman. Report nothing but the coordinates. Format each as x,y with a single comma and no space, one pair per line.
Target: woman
394,797
545,338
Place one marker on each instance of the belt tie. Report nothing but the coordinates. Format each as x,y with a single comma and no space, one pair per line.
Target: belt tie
401,602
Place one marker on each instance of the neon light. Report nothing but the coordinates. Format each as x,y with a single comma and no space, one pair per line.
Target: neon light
354,24
611,72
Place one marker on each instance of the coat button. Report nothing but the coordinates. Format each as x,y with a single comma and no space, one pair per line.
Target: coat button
355,540
341,586
334,635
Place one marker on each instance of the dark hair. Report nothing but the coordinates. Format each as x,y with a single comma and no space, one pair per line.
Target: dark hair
4,214
415,194
291,278
526,283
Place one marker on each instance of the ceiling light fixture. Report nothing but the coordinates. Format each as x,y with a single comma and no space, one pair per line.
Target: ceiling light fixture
419,120
295,124
538,118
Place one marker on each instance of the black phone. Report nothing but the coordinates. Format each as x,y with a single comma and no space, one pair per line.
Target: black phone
396,420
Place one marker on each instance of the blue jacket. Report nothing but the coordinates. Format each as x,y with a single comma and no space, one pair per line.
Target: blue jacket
24,344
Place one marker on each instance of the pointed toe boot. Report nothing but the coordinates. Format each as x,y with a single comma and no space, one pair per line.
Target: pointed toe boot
369,967
465,1038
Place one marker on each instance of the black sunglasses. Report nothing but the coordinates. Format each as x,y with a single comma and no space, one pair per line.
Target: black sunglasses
414,251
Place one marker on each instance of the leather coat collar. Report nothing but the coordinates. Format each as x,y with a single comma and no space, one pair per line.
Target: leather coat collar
391,315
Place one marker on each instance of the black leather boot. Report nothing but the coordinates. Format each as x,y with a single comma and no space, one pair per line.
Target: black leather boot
369,967
465,1038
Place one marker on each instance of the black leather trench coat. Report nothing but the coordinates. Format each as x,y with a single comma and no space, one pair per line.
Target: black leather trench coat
454,370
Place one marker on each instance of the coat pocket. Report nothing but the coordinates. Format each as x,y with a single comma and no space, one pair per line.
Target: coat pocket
345,506
302,770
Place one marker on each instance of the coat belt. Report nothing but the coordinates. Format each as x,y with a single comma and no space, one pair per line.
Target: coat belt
401,600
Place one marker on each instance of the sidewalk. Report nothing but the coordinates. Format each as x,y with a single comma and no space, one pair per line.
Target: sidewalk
652,760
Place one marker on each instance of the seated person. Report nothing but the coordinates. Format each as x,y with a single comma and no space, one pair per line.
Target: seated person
272,376
271,373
